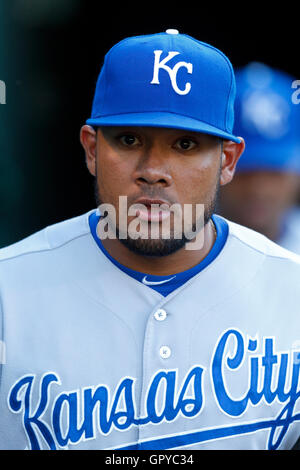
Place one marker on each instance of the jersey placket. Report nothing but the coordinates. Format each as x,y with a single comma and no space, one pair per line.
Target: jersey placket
165,363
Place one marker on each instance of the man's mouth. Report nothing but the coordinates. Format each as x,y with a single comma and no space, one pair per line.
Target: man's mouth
154,210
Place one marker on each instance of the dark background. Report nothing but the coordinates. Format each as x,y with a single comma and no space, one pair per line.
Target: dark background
50,56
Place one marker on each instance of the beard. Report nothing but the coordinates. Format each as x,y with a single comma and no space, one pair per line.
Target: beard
162,247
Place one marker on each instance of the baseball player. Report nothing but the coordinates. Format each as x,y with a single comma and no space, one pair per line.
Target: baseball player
265,190
118,341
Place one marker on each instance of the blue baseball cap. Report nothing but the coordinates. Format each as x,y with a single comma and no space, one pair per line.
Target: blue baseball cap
267,118
166,80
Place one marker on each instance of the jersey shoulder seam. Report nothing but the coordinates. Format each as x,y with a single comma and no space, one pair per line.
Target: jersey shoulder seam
44,243
266,254
30,252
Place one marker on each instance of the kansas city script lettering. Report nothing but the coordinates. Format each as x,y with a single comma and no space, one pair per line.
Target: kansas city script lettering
269,380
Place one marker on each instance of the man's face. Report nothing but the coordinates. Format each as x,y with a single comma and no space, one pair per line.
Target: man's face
154,167
258,199
157,166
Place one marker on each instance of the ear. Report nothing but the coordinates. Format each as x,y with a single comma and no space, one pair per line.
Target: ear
230,156
89,141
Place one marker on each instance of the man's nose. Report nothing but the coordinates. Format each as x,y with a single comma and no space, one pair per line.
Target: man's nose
153,167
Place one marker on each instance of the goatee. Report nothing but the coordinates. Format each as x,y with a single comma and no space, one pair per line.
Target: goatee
161,247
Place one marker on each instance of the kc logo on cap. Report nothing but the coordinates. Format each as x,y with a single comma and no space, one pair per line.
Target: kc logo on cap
166,80
161,64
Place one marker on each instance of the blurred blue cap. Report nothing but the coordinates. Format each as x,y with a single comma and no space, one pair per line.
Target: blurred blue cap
166,80
267,118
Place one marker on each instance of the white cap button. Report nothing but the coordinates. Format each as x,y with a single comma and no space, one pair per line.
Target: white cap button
172,31
160,315
165,352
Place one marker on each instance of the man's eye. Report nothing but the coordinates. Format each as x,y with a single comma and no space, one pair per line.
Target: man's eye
129,140
185,144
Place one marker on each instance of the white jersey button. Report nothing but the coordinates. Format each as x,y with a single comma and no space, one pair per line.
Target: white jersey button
165,352
160,315
172,31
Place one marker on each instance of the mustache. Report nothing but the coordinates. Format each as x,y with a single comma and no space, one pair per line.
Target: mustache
151,192
147,192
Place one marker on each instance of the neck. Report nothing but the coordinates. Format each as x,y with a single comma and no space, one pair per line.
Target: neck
179,261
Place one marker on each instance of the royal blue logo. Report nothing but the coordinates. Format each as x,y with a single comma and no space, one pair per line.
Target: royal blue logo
273,377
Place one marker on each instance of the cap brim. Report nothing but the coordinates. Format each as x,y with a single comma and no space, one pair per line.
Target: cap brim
161,119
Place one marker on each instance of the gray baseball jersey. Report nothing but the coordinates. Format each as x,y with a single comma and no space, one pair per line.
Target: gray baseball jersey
94,359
